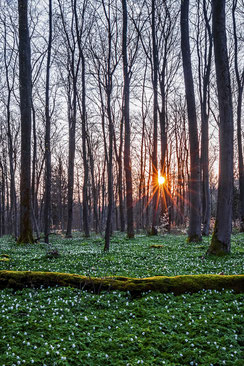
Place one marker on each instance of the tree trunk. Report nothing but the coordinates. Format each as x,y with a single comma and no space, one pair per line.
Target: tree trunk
194,232
240,85
126,115
155,125
25,111
47,202
220,243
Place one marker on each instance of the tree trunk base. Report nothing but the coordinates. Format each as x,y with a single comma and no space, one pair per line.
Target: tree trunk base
217,247
194,238
26,238
178,284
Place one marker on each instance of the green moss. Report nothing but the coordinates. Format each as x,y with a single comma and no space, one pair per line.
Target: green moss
177,284
217,247
26,237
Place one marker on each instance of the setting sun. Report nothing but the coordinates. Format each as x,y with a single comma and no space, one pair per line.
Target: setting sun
161,180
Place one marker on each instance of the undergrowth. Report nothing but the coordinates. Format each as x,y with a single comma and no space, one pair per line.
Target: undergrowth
64,326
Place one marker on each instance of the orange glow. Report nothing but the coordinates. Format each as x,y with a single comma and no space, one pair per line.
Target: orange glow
161,180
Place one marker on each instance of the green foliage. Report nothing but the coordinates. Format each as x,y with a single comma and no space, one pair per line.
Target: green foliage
66,326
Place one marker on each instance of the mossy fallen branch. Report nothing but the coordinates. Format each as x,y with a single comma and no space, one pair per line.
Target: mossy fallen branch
177,284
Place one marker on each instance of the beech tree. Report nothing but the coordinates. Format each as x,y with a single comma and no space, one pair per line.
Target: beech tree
194,233
126,116
47,204
220,243
25,112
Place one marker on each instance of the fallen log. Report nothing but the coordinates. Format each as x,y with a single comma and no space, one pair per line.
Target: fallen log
178,284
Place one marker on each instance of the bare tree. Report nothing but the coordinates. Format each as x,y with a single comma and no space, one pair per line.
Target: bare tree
240,86
126,116
220,243
25,111
194,232
47,203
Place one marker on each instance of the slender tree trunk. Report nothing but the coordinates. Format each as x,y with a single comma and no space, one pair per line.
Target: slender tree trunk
240,85
85,162
155,125
206,208
194,232
25,111
220,243
47,202
110,174
126,114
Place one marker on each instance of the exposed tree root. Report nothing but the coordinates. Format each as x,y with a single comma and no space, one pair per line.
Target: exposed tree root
177,284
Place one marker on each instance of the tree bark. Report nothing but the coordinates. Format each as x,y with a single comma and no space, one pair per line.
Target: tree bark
47,202
25,111
194,232
126,115
220,243
240,86
155,124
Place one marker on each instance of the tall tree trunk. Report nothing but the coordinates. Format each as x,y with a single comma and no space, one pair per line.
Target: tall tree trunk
240,85
155,124
85,162
126,114
194,232
220,243
47,202
72,131
25,111
206,208
110,175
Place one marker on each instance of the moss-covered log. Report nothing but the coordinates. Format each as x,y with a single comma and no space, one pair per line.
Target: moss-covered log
177,284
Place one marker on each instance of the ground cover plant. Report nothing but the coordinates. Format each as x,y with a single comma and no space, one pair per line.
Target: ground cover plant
64,326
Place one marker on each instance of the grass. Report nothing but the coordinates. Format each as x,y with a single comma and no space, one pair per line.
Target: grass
64,326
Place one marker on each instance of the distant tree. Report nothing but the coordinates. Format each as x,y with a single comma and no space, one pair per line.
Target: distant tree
240,87
47,203
25,111
220,243
126,116
194,232
204,45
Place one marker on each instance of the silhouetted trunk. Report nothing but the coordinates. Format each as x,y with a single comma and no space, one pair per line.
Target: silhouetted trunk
126,115
110,173
25,111
85,162
118,155
204,93
194,232
47,198
155,125
220,243
240,86
72,132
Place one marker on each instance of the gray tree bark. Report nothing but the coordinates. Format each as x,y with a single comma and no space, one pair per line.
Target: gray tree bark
126,115
25,111
194,231
220,243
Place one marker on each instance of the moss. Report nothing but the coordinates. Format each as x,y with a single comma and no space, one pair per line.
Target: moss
156,246
26,237
177,284
217,247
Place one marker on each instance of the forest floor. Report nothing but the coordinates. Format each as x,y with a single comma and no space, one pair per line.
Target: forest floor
65,326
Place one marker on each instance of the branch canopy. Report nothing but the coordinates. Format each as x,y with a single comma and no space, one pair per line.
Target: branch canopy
178,284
